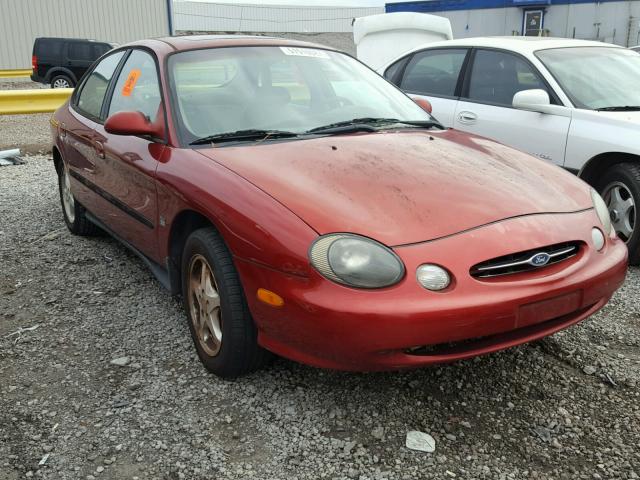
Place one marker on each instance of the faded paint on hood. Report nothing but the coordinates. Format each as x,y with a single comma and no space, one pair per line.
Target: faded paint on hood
406,186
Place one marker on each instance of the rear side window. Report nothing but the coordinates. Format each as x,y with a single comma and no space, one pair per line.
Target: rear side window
434,72
81,51
137,88
497,76
100,49
94,88
46,48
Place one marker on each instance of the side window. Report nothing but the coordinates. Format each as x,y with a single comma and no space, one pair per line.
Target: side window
100,49
497,76
137,88
80,51
91,96
434,72
392,71
46,48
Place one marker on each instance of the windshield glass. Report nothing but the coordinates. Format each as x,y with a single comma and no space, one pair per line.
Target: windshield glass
595,77
222,90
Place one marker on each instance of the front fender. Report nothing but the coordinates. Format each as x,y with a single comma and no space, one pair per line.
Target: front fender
254,225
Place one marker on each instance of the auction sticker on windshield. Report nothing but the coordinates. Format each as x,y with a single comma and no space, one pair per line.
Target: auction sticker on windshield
304,52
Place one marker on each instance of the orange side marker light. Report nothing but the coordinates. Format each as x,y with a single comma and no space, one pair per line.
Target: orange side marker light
270,298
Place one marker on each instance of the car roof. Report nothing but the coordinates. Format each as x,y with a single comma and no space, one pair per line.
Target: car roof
518,44
194,42
72,39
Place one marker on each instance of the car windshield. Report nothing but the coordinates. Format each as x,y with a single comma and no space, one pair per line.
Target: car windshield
596,77
283,89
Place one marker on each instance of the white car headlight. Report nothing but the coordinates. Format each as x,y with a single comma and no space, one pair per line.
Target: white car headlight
602,210
356,261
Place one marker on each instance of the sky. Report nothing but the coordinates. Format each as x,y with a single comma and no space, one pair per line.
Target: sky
311,3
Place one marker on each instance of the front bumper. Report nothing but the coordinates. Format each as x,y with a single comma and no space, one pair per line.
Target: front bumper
332,326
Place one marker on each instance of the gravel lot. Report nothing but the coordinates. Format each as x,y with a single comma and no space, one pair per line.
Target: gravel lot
564,408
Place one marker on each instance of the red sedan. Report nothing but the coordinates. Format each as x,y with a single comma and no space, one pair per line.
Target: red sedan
302,205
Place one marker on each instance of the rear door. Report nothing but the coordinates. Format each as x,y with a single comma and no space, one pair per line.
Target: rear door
127,163
79,141
434,74
485,107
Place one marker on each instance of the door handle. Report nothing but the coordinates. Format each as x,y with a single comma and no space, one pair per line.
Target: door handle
99,149
467,117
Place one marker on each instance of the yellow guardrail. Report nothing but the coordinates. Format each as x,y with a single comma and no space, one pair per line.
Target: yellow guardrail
13,102
15,73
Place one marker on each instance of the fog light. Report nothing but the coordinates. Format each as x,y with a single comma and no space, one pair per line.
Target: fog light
598,238
433,277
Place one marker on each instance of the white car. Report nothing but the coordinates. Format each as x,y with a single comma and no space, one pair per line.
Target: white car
571,102
635,49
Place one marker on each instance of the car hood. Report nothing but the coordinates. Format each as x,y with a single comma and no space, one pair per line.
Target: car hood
620,117
406,186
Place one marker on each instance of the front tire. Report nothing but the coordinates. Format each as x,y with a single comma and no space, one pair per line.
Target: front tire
620,189
72,211
221,326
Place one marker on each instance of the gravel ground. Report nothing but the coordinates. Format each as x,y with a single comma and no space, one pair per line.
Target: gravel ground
567,407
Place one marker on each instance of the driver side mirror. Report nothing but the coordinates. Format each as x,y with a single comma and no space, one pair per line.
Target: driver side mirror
536,100
131,123
424,104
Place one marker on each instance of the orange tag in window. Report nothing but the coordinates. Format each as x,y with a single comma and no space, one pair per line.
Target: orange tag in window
131,82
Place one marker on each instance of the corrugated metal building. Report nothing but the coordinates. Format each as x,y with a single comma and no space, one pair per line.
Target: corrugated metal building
116,21
606,20
224,17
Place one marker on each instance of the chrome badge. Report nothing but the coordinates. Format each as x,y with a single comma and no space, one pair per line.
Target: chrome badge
539,259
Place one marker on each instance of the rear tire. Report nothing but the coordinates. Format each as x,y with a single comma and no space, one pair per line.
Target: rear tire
620,189
61,81
72,211
221,326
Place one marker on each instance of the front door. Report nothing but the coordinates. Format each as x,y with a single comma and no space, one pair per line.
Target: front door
128,163
485,107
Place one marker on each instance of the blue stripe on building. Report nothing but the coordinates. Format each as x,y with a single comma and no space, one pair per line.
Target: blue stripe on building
449,5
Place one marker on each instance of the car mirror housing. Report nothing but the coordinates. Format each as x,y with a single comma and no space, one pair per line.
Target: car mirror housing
537,100
131,123
424,104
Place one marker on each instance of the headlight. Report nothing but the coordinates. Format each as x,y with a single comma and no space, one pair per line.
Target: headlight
356,261
602,210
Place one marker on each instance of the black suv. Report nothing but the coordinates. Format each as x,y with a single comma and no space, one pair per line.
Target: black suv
61,62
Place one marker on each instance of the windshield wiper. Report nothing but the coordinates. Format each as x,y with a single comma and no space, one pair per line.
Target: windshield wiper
369,124
240,135
621,108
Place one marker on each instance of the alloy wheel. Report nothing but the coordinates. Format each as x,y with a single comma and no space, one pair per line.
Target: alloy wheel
622,209
67,197
204,305
61,83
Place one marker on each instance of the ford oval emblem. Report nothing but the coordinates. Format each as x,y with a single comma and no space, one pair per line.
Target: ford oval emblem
539,259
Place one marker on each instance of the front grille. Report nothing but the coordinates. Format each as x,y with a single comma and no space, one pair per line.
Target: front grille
525,261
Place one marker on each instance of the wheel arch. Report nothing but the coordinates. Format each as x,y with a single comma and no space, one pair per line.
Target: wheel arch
57,158
183,225
597,165
60,71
